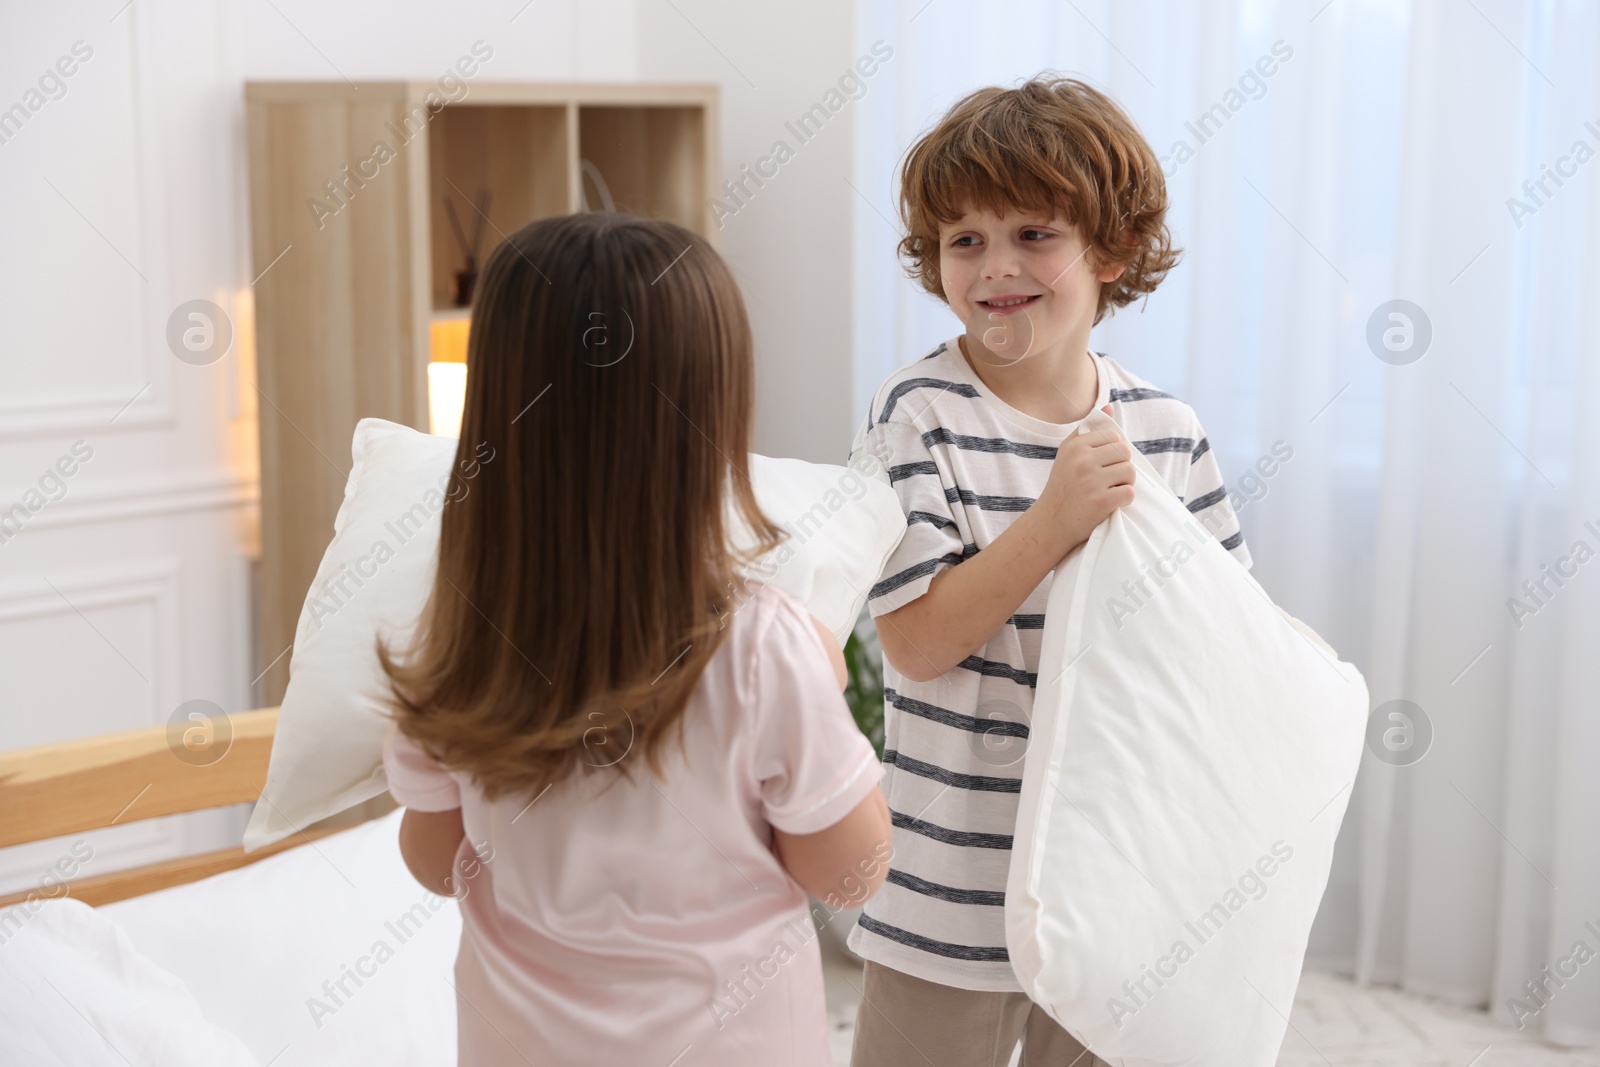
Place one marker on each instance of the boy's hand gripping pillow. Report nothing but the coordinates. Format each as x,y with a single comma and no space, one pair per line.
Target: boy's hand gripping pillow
1189,760
327,754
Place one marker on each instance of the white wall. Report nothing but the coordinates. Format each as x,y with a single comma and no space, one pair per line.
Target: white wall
119,200
789,242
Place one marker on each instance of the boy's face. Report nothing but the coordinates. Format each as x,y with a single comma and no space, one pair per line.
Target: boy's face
1024,283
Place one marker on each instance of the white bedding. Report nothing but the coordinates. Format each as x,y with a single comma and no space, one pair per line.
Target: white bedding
264,950
75,992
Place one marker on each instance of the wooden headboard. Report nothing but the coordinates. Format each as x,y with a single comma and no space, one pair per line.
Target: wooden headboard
73,786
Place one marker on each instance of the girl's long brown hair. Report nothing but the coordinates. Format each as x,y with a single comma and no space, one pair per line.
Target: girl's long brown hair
585,567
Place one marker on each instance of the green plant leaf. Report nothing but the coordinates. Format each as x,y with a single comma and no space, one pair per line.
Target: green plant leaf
864,690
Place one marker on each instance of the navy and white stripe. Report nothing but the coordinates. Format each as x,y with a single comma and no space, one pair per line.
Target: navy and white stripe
964,466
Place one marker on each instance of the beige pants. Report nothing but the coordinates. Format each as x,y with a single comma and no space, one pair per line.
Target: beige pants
909,1022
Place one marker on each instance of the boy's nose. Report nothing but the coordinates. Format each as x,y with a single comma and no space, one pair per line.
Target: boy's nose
1000,262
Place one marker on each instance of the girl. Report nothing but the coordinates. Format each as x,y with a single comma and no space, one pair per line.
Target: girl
626,763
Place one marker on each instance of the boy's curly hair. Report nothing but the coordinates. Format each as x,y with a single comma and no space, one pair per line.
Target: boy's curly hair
1049,144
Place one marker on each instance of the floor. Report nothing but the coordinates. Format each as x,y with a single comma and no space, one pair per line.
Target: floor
1334,1024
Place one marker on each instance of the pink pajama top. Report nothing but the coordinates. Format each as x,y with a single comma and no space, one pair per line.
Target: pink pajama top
650,923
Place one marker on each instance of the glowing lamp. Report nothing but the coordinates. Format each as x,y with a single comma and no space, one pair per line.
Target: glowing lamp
447,372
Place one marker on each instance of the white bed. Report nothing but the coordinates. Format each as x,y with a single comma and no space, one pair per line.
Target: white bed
327,953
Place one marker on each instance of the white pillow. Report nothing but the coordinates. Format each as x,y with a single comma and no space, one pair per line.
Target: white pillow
75,992
1190,755
378,570
324,955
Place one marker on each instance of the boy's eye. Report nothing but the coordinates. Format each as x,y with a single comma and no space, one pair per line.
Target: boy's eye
966,240
1034,235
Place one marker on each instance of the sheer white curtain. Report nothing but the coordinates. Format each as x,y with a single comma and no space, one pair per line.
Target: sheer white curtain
1384,158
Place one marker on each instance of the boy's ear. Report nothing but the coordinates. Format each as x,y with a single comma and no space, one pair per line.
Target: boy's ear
1116,271
1112,273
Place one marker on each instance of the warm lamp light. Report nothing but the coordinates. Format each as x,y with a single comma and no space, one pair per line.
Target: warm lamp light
447,336
447,395
447,373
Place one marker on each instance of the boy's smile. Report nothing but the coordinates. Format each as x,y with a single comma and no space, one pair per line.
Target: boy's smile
1004,305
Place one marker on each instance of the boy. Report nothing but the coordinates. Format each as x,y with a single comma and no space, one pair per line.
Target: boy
1030,212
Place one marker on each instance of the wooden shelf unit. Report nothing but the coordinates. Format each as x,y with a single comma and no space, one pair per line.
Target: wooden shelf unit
346,186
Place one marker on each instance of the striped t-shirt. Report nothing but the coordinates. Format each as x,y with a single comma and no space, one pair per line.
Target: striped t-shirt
965,464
